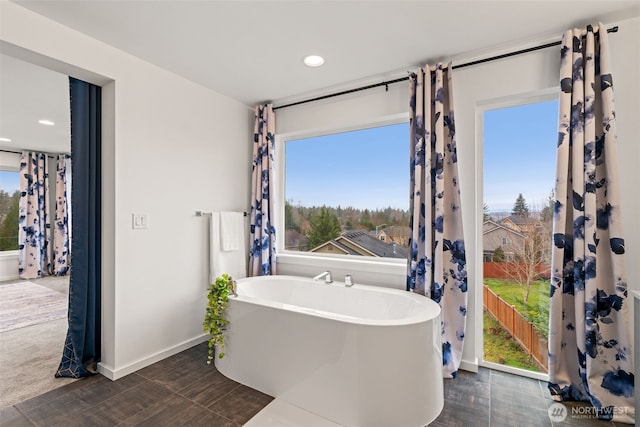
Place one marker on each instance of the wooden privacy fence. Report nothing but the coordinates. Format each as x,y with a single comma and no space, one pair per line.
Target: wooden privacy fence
500,270
522,331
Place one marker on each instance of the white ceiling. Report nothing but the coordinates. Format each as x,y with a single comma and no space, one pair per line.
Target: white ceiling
29,93
252,51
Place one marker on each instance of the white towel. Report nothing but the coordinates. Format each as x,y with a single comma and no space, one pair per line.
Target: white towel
231,230
234,263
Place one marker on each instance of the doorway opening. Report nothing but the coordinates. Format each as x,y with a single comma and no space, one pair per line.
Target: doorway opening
519,148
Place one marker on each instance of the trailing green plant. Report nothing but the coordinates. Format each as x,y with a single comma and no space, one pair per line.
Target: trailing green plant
214,320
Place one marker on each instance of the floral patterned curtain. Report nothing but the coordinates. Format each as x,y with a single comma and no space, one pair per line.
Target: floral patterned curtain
262,257
589,348
33,220
436,261
61,243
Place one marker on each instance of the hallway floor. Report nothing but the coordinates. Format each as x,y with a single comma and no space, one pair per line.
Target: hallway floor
184,391
30,355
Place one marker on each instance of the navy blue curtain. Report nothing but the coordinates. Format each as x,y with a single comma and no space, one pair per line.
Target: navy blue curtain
82,345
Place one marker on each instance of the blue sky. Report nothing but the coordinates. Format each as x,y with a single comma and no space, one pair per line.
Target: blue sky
362,169
9,181
520,154
369,168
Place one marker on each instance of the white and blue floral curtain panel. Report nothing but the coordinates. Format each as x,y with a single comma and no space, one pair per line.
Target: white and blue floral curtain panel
589,349
437,261
61,231
33,220
262,256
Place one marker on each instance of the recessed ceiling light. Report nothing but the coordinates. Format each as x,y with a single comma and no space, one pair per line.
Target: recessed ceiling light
46,122
5,140
313,61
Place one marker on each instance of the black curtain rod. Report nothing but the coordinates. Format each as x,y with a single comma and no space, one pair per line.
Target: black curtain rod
455,67
50,155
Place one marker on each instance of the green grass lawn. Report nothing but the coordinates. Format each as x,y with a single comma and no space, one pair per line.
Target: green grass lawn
536,311
500,347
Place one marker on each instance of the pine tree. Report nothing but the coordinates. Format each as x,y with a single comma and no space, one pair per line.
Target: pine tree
498,255
289,221
546,214
324,227
520,207
485,212
365,221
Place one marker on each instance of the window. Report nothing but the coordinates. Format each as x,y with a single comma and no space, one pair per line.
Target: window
9,208
519,175
345,189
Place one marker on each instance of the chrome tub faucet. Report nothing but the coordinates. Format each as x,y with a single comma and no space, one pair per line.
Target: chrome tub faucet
326,275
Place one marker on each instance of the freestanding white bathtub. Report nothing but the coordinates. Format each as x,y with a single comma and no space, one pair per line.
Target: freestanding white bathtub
362,356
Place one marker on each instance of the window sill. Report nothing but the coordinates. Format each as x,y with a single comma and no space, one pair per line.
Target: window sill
9,254
353,263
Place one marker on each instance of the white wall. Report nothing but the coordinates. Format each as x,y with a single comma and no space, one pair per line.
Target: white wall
170,147
529,75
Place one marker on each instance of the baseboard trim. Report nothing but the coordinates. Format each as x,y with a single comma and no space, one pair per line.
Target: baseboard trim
114,373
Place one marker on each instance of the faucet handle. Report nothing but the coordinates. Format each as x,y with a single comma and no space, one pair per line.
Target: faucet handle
348,281
233,288
327,277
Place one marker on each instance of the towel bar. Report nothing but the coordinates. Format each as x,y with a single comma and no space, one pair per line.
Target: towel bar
203,213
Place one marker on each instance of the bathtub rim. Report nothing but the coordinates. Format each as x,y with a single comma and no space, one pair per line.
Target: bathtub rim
431,309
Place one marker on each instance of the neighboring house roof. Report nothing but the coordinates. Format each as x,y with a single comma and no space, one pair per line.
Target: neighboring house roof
489,226
397,231
360,242
526,225
519,220
341,249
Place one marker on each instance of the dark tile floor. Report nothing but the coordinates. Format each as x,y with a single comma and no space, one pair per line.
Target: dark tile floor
184,391
179,391
494,398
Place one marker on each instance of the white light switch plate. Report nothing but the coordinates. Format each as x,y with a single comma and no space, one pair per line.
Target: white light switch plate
140,220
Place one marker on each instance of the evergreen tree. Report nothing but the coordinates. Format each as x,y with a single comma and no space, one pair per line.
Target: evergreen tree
365,220
546,214
324,227
485,212
5,204
520,207
498,255
9,228
289,221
